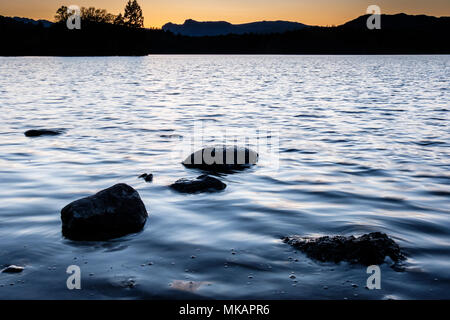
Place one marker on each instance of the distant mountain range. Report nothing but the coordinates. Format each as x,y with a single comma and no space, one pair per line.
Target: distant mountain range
45,23
217,28
399,21
399,34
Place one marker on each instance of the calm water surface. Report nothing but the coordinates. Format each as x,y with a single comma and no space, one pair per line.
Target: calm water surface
363,146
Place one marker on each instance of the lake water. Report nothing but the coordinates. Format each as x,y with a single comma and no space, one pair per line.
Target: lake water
362,145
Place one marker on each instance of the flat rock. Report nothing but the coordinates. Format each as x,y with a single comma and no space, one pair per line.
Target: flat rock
43,132
222,159
368,249
111,213
13,269
203,183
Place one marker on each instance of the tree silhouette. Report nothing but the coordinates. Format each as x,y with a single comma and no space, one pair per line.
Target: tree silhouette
119,20
90,14
133,15
61,14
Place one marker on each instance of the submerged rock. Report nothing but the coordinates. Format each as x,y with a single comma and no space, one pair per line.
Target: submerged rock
203,183
368,249
43,132
223,158
190,286
128,283
111,213
146,177
13,269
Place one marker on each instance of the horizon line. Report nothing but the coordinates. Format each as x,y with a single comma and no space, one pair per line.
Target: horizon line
254,21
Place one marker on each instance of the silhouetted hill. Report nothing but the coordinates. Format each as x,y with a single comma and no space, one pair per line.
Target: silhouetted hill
216,28
401,21
399,34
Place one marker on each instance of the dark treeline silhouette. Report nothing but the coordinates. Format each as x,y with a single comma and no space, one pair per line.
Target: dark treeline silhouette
132,16
400,34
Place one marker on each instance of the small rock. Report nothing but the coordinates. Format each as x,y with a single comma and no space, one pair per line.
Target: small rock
292,276
368,249
129,283
146,177
222,159
354,285
110,213
203,183
13,269
42,132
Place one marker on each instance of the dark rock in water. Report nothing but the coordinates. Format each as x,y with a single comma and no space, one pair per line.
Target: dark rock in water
42,132
368,249
13,269
202,183
222,159
146,177
110,213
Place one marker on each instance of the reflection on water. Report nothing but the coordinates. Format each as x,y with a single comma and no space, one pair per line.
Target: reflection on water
363,146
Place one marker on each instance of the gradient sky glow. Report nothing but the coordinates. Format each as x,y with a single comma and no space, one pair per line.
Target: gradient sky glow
158,12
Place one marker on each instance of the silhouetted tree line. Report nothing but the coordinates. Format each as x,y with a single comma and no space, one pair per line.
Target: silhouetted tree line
412,36
132,16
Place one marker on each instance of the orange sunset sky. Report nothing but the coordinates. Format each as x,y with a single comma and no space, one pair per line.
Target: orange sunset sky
159,12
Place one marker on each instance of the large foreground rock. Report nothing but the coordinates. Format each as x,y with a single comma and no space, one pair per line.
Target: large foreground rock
368,249
222,158
202,183
111,213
